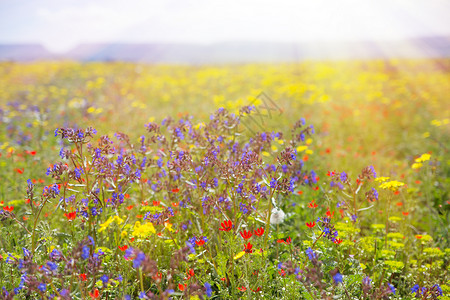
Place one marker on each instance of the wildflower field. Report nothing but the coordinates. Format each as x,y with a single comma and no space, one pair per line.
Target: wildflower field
316,180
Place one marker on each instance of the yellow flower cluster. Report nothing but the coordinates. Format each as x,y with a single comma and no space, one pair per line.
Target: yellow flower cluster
418,161
143,230
391,185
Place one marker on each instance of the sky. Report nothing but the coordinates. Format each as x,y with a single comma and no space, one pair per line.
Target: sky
60,25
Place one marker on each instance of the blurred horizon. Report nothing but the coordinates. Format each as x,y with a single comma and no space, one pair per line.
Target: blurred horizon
152,31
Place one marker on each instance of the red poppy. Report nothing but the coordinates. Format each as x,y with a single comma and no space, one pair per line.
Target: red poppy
156,203
20,171
418,236
399,204
227,225
83,277
182,286
300,192
139,216
248,248
175,204
330,214
95,294
8,208
145,203
124,247
311,224
127,195
71,216
130,207
405,213
259,231
175,190
246,234
305,158
316,188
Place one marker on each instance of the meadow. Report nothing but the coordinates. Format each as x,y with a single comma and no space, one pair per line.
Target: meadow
316,180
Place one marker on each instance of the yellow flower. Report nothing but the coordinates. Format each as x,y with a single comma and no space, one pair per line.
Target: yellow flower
422,158
143,230
239,255
392,185
381,179
108,222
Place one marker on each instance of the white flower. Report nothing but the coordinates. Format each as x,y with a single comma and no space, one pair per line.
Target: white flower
277,216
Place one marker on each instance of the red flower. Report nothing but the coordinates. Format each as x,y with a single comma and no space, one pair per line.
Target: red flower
124,247
175,204
156,203
257,290
246,234
337,241
175,190
242,288
157,277
200,242
71,216
311,224
20,171
190,274
95,294
129,207
83,277
312,204
227,225
181,286
248,248
8,208
405,213
259,231
300,192
282,272
287,241
330,214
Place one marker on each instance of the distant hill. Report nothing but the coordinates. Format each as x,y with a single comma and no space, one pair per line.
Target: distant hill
236,52
25,52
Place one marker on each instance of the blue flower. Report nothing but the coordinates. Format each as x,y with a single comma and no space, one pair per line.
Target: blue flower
415,288
310,253
392,288
337,278
42,287
104,279
85,252
208,289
